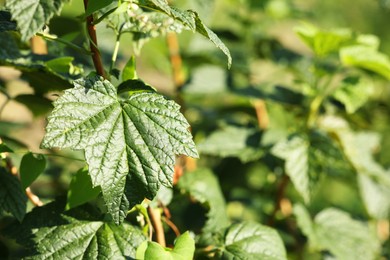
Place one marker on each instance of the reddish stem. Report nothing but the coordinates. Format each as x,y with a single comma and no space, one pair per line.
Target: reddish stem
96,57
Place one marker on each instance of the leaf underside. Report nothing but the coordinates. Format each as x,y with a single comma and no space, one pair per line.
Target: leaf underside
130,145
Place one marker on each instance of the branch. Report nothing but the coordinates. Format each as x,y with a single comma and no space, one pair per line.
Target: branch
279,198
97,59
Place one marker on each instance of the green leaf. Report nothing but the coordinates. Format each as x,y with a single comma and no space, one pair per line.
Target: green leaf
251,240
31,167
49,234
129,71
130,145
12,197
323,42
204,187
134,85
96,5
81,189
353,93
245,145
307,157
60,65
366,57
373,179
5,22
5,149
335,231
37,104
295,152
184,249
32,15
190,19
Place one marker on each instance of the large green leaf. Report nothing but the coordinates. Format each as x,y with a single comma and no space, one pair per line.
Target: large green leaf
79,234
130,145
32,15
12,197
337,232
190,19
250,240
184,249
245,145
204,187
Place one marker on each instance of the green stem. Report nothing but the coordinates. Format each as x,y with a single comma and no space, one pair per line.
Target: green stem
101,18
61,156
314,108
69,44
115,53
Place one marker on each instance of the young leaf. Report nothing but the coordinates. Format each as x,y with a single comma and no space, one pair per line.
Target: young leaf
49,234
31,167
184,249
245,145
130,145
335,231
32,15
129,71
80,189
250,240
12,197
366,58
204,187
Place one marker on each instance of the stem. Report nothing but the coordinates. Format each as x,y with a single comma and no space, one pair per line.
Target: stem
69,44
171,225
176,62
279,196
61,156
115,53
261,113
314,107
155,218
97,59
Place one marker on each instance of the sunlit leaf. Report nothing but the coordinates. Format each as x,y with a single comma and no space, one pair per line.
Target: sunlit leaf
130,144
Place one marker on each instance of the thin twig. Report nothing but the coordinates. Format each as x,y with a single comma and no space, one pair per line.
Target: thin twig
69,44
279,197
155,218
261,113
171,225
96,57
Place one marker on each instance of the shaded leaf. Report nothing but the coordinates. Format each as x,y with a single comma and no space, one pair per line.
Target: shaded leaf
32,15
5,22
94,6
232,141
134,85
204,187
12,197
49,234
130,145
37,104
250,240
31,167
80,189
5,149
129,71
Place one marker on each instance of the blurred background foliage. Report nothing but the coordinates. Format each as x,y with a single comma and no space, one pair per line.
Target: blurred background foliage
236,115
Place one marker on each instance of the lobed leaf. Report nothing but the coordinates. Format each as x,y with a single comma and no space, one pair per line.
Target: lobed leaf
250,240
130,145
49,234
32,15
